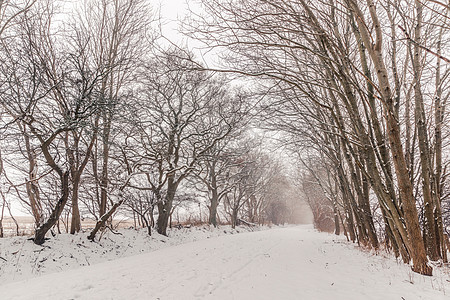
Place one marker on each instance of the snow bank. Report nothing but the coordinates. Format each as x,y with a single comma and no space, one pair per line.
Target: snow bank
21,259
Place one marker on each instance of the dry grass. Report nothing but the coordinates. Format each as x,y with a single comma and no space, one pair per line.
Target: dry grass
27,226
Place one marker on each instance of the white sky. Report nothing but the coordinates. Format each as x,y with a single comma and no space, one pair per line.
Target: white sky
174,11
171,12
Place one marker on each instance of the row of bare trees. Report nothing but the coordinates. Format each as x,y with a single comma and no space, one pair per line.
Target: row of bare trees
236,182
100,118
250,184
360,88
64,77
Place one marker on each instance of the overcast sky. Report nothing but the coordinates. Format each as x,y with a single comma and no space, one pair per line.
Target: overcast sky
171,12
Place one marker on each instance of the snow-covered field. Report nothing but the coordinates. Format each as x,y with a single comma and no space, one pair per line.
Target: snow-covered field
281,263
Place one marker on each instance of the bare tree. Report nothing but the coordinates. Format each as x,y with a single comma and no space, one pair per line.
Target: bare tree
176,124
213,176
119,36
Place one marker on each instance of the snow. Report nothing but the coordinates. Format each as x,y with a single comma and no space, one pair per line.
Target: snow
282,263
22,259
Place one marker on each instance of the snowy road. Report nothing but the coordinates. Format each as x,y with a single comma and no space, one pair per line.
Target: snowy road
287,263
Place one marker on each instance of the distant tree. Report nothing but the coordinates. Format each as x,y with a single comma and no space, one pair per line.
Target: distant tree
212,174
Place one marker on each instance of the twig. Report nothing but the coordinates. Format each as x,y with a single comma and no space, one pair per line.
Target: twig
423,47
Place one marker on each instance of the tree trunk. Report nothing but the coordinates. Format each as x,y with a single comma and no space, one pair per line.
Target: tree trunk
213,210
165,207
105,159
39,236
418,254
234,217
102,221
347,205
31,185
438,119
163,218
152,217
75,225
425,161
337,226
147,224
76,169
367,213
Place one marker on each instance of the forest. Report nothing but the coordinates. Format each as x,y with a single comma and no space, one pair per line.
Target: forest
103,116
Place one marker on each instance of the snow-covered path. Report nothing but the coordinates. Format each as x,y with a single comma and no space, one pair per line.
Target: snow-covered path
287,263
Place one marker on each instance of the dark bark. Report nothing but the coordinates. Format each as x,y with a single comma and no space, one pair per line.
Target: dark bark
75,225
101,223
234,217
337,226
165,206
214,202
105,159
163,218
39,236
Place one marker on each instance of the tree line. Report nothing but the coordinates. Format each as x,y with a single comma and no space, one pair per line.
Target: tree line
101,118
360,89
